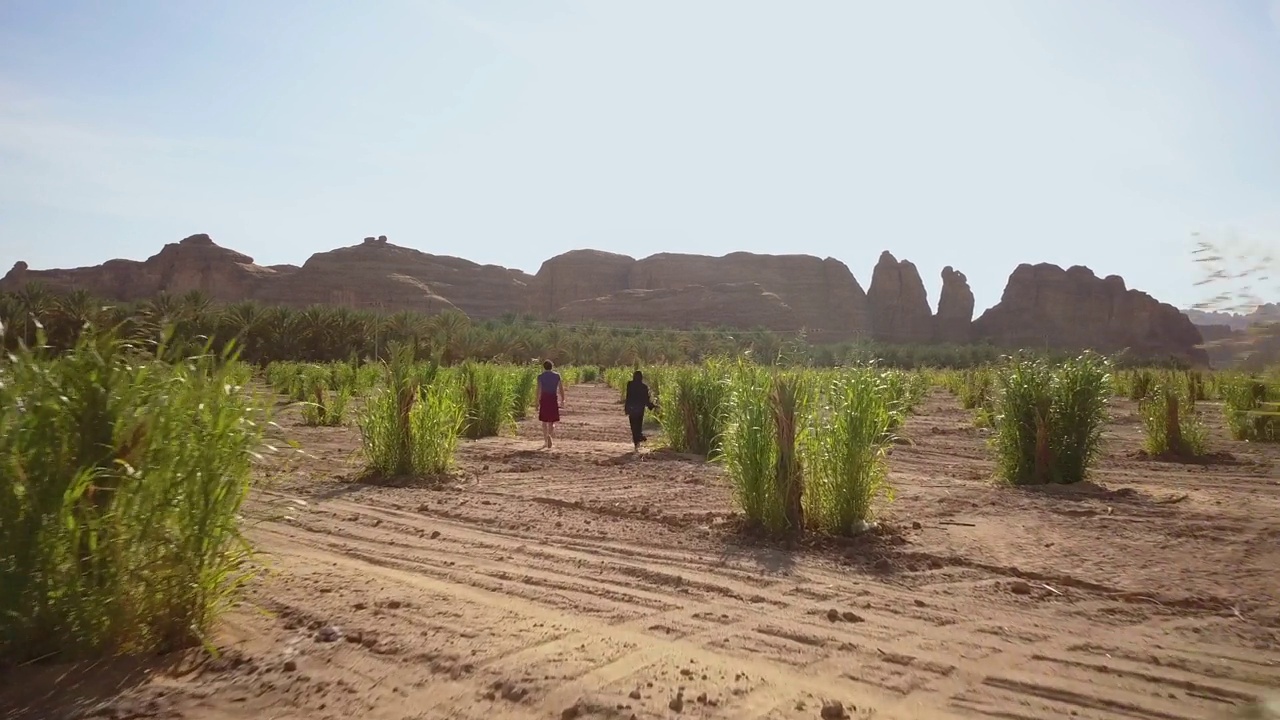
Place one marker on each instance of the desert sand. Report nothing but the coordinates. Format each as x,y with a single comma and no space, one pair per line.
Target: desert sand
589,582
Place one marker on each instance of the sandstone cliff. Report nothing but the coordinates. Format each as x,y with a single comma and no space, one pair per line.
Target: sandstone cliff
823,294
732,305
954,321
1044,306
899,304
578,275
379,275
195,263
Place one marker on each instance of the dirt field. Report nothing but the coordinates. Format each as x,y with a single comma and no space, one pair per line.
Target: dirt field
587,582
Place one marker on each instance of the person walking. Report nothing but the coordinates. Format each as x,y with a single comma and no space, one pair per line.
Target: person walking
634,405
549,387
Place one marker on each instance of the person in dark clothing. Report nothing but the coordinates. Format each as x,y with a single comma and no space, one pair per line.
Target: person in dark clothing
636,402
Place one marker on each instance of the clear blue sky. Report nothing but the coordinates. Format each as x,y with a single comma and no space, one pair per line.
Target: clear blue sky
974,133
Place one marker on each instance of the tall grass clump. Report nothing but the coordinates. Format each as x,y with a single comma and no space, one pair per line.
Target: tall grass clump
411,427
760,447
488,397
849,449
524,391
692,408
1252,414
121,486
976,388
1170,422
327,393
1049,419
750,450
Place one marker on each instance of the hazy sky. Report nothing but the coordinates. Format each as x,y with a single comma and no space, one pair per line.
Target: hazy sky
972,133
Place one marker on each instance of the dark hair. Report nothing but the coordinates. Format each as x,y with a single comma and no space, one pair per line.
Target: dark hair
637,375
547,365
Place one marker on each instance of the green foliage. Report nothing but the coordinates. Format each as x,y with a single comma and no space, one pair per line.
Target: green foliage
524,390
848,449
691,401
122,482
488,397
751,451
1251,408
807,449
1049,419
1170,422
411,427
325,404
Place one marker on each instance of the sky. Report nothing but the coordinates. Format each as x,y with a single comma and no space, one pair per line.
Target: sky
977,134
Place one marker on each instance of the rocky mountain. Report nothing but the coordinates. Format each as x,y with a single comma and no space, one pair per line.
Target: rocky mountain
1265,313
899,304
823,295
739,305
1046,306
1042,306
1250,340
954,321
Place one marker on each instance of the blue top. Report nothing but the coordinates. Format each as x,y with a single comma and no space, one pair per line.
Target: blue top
549,382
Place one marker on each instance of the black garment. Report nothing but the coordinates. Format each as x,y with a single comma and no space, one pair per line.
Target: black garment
637,398
634,405
637,426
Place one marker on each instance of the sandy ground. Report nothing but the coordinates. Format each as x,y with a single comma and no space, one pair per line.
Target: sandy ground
588,582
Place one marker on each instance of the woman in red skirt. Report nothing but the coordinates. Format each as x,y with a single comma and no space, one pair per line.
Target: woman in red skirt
549,387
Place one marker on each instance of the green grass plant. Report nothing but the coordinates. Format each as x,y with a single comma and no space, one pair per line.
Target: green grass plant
1049,418
692,403
849,446
488,397
1250,407
1170,422
122,484
410,427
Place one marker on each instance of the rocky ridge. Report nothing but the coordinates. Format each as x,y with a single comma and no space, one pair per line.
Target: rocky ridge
1042,306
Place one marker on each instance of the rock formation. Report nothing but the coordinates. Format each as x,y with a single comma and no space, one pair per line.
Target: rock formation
953,322
899,304
195,263
578,275
732,305
823,294
378,275
1044,306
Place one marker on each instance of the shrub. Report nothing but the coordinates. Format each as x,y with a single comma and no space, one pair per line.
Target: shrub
1171,424
488,398
692,408
849,449
1250,411
977,387
750,448
411,428
806,449
118,533
1049,419
328,392
524,391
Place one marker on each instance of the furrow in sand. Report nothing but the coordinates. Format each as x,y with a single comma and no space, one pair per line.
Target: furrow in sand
893,665
890,609
647,647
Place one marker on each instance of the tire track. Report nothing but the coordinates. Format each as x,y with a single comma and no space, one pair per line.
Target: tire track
896,666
